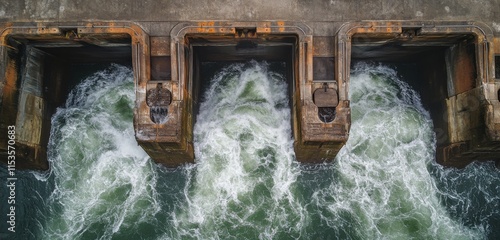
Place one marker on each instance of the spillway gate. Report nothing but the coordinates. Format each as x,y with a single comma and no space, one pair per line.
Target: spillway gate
454,65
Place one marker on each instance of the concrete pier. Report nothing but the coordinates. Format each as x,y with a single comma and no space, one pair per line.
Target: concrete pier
449,50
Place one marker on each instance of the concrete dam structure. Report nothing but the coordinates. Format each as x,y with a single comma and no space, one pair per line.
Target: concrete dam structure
448,51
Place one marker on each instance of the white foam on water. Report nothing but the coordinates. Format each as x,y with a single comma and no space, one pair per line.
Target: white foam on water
472,194
246,183
245,160
104,181
385,188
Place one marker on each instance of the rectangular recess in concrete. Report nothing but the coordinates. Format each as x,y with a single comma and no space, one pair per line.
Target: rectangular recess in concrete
323,68
42,64
161,68
447,63
497,67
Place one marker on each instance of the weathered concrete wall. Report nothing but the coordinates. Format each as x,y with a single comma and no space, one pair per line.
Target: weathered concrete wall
319,13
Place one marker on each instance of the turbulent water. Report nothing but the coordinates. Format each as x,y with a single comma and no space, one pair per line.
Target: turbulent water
246,184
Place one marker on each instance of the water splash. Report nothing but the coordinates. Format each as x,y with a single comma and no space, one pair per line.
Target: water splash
104,182
472,195
381,187
246,184
243,185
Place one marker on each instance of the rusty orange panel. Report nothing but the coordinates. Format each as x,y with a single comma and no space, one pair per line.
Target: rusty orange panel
281,25
263,30
496,45
463,67
10,75
206,27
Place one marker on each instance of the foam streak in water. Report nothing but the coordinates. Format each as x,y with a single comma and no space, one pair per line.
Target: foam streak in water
384,185
243,145
103,179
246,184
